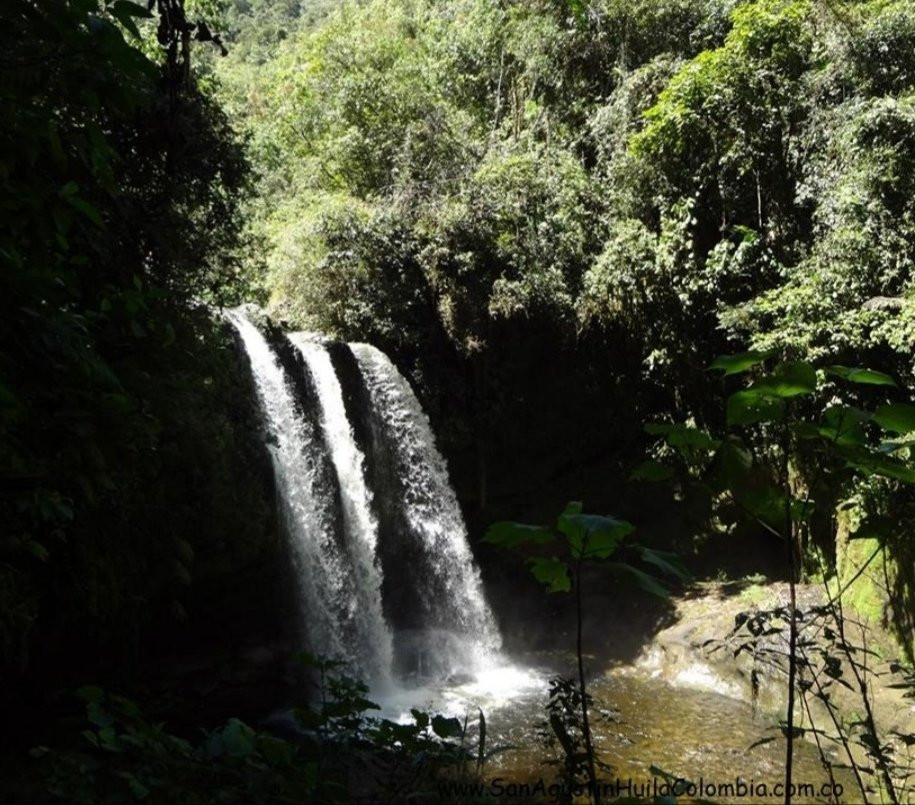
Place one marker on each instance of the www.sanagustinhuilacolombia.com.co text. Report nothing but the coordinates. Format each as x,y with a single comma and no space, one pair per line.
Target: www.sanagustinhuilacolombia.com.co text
640,788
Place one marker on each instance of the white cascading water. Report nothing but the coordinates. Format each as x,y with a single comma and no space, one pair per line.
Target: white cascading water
341,579
337,624
435,519
360,525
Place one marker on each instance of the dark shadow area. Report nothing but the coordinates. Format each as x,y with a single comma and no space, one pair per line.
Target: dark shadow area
899,580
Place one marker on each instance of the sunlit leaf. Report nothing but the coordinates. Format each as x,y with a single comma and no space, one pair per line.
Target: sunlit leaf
750,406
735,364
895,445
788,380
896,417
864,376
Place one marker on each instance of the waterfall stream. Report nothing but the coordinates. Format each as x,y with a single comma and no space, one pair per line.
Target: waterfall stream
447,578
305,502
350,541
360,526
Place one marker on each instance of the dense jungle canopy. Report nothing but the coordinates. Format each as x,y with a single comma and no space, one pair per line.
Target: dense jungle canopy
606,194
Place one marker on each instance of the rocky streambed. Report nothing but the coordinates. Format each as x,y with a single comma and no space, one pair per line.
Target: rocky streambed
731,639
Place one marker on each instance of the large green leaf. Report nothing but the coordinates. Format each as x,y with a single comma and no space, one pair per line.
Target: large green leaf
735,364
91,694
731,466
237,738
87,209
896,417
864,376
888,467
767,503
877,463
276,751
842,424
788,380
592,536
805,430
509,535
572,507
895,445
665,561
647,582
750,406
551,572
124,12
131,9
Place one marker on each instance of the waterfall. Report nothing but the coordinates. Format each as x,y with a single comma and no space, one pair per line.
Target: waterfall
403,547
327,582
458,621
360,525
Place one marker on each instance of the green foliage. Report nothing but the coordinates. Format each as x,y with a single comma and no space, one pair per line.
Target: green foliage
465,134
613,190
125,756
338,752
586,539
564,731
794,453
120,396
798,446
583,538
666,176
837,433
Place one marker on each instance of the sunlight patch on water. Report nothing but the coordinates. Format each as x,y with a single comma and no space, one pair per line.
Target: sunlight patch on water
700,676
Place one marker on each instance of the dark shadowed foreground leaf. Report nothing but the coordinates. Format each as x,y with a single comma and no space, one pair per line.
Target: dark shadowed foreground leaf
593,535
651,471
551,572
678,435
648,583
508,534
